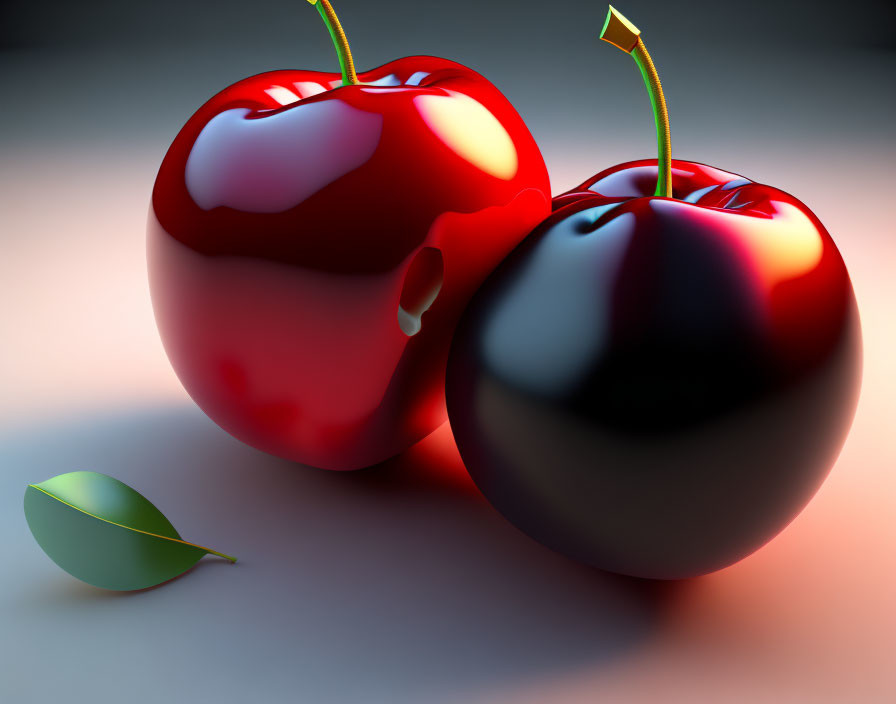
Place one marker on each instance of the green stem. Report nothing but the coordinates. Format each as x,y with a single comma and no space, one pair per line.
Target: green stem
621,33
660,118
340,42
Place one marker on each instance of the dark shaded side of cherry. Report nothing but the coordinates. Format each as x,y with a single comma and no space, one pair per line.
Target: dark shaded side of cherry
658,386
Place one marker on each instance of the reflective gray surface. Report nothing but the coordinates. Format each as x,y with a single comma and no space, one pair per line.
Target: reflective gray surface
404,586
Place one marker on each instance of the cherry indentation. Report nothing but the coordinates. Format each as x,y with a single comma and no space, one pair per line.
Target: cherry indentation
422,284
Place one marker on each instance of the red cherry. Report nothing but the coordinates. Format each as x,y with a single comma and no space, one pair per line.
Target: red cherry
312,242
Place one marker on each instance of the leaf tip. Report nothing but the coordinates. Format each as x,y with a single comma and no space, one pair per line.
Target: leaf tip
231,558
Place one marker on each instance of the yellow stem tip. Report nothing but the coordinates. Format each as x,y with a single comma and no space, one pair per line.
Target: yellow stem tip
617,30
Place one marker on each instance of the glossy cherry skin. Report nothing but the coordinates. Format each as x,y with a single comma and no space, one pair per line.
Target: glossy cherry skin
658,386
311,247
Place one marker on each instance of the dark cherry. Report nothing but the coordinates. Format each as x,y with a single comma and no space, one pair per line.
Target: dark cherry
657,385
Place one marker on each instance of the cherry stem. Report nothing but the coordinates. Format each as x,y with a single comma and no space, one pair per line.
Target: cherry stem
337,34
621,33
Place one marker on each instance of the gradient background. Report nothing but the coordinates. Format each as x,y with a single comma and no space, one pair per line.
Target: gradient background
401,584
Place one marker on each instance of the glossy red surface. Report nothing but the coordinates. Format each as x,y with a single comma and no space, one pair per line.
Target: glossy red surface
657,386
796,279
312,245
799,286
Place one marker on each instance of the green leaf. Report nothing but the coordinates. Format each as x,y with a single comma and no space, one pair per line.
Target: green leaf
105,533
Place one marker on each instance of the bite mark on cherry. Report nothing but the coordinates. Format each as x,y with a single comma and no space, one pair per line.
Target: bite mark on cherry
421,287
